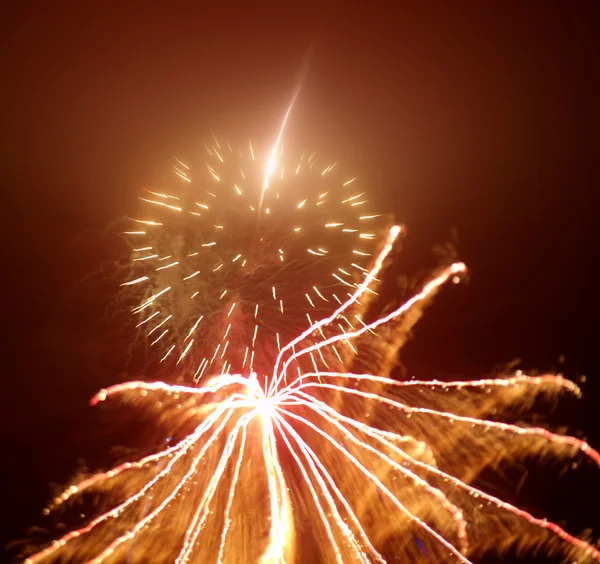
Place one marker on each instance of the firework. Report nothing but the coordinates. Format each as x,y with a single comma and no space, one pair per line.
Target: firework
363,467
228,263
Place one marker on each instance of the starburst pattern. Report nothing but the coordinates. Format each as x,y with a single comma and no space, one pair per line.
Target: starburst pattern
227,262
362,467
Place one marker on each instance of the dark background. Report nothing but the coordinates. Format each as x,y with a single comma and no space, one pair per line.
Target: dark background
484,120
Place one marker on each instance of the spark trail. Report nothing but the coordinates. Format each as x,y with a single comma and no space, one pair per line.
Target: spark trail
365,467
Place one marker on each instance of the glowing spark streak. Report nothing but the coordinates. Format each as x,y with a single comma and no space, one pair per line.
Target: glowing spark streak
380,436
309,300
332,416
142,249
333,224
181,175
174,208
145,258
185,351
346,340
199,369
373,478
192,275
363,217
136,281
90,482
310,455
134,232
183,165
203,206
142,523
237,257
211,244
159,325
359,268
149,301
159,337
147,222
319,294
147,319
526,431
364,324
392,236
277,494
231,309
213,173
271,161
167,353
183,447
234,481
201,513
168,265
349,181
423,294
315,496
352,198
482,383
342,280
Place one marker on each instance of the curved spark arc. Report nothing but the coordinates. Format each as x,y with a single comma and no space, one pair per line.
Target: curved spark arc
444,501
315,460
380,436
279,374
273,409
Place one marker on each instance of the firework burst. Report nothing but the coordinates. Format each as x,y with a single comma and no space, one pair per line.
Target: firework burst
360,467
228,262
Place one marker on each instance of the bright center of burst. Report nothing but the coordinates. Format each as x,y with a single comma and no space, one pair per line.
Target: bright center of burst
264,404
265,408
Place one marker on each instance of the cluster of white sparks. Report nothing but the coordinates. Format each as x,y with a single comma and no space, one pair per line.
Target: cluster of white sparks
229,262
277,412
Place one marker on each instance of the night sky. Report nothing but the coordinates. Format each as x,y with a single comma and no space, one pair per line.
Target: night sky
482,122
